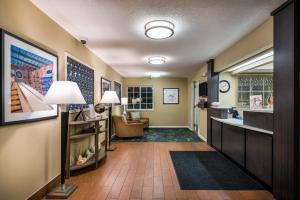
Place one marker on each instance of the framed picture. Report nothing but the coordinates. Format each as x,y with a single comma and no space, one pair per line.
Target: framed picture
83,75
105,85
118,89
27,72
171,95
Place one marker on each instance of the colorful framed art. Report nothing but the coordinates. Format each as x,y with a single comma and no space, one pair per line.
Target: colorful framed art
83,75
27,72
171,96
118,90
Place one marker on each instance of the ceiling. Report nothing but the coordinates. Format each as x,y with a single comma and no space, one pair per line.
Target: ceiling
115,30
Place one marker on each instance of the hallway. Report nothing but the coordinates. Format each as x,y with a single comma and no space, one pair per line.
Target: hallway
145,171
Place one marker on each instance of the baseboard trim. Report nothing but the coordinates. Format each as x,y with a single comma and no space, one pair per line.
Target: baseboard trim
202,137
41,193
169,127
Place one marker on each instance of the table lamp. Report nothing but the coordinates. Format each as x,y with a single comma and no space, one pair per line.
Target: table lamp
63,93
124,102
110,97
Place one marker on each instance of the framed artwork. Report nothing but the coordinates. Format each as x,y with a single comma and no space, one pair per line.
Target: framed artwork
27,72
105,85
118,89
83,75
171,95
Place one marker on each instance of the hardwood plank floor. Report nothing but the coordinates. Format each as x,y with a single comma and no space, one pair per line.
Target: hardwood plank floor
145,171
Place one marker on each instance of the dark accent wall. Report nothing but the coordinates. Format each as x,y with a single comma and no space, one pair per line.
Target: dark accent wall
286,101
213,83
212,93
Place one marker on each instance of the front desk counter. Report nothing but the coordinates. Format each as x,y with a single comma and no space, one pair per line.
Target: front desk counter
249,146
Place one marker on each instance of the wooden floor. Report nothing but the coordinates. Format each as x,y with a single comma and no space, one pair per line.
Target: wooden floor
145,171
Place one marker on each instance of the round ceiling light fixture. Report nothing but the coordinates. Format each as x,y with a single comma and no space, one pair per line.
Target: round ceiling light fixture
159,29
156,60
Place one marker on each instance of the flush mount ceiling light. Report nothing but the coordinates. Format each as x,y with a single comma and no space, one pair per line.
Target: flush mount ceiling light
159,29
155,75
156,60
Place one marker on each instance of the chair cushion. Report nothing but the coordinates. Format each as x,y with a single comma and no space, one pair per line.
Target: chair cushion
135,115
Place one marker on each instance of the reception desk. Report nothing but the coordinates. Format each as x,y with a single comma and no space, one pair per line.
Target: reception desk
248,145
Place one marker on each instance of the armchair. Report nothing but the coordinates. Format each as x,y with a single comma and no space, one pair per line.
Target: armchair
124,129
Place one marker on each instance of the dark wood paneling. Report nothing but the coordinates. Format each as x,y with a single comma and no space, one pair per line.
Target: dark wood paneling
216,134
212,83
259,155
259,119
286,102
233,143
213,112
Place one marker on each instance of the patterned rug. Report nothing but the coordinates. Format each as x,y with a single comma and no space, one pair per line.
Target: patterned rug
163,135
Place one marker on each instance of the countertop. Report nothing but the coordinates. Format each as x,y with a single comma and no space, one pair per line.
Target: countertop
240,123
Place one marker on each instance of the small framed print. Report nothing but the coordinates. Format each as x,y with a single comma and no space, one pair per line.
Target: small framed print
27,72
118,90
105,85
170,95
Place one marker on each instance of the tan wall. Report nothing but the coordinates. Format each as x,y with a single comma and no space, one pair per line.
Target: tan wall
261,38
202,123
229,98
163,114
30,153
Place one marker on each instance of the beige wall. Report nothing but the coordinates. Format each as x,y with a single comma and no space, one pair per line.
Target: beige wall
30,153
258,40
202,123
164,114
229,98
261,38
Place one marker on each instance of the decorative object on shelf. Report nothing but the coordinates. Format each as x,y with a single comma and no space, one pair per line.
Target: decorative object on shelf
92,111
27,71
110,98
99,108
256,102
105,85
224,86
83,75
124,102
159,29
171,96
92,155
118,89
63,93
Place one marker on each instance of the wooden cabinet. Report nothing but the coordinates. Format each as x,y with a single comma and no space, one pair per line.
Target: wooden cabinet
233,143
259,155
216,134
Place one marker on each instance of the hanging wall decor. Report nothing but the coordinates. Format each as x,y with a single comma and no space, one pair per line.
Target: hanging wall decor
83,75
27,72
171,95
105,85
118,89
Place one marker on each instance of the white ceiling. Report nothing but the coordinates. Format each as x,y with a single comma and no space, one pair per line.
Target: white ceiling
115,29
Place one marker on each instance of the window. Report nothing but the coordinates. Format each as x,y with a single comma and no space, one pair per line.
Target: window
254,85
140,98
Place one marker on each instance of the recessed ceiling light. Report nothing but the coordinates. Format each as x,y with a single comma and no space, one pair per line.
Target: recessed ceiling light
159,29
156,60
155,75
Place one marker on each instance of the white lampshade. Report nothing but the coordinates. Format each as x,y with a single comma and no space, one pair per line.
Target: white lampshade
110,97
124,100
64,92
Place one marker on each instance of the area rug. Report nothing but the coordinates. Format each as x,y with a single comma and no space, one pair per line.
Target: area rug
163,135
209,170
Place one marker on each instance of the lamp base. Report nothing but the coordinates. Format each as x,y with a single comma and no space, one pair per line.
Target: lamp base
61,192
111,148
